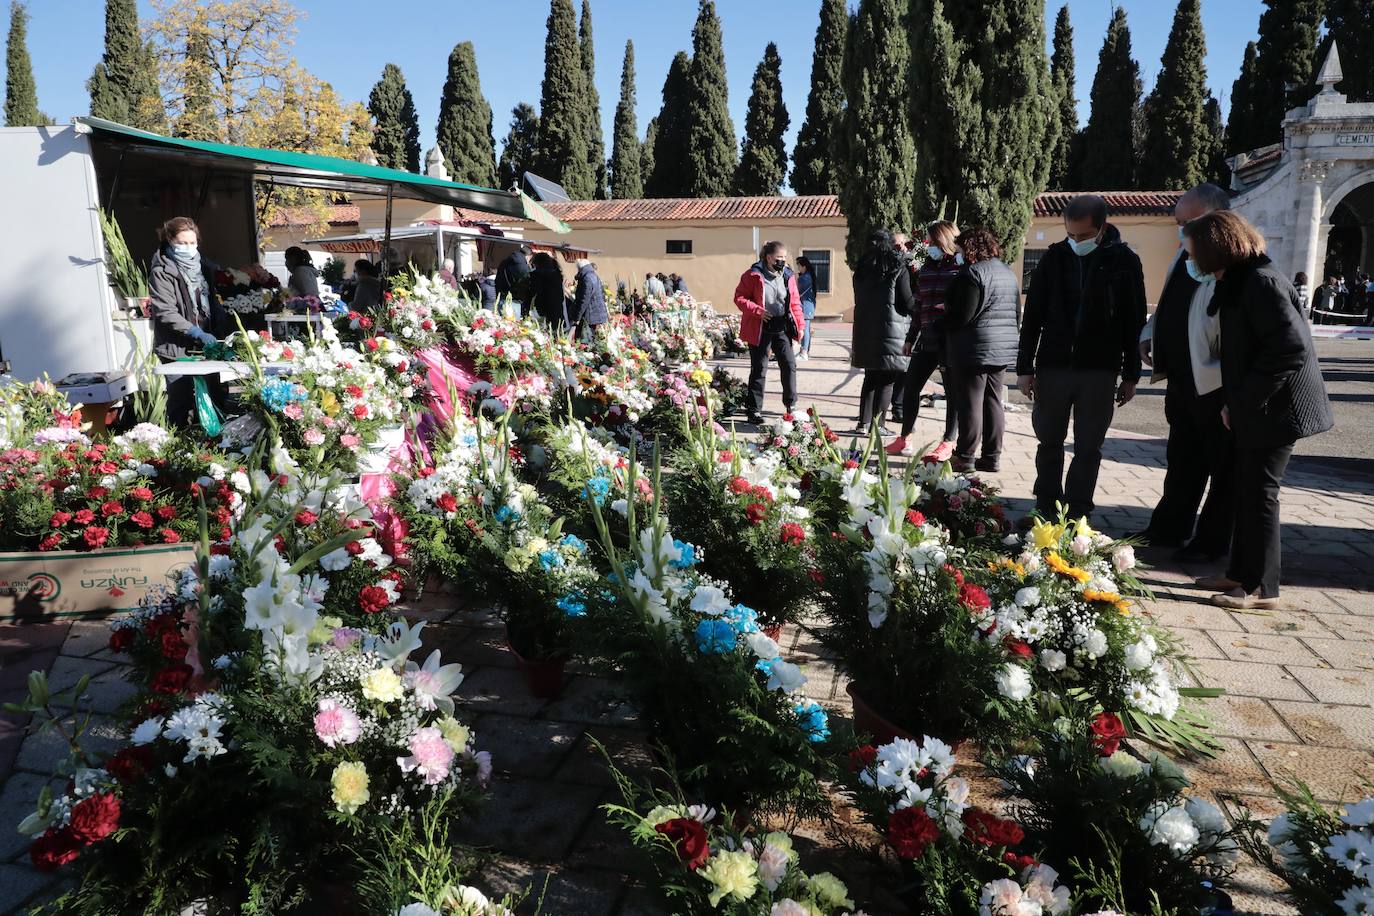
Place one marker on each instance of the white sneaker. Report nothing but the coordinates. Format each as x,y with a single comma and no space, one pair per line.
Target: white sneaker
803,356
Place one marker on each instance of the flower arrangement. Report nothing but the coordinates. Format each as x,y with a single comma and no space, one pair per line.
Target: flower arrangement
1325,856
802,444
965,506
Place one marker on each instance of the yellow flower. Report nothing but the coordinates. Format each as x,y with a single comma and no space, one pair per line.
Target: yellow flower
781,841
323,630
518,559
735,874
328,403
382,685
1044,535
700,377
1056,563
1082,529
830,891
1123,607
455,733
536,545
663,814
350,786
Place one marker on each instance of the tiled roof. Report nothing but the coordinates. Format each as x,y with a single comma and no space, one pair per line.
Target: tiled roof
822,206
1272,155
1119,203
339,215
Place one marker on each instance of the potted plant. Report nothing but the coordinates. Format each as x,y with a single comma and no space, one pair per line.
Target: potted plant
127,276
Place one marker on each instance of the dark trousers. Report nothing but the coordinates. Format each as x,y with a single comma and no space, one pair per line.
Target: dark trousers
876,394
977,392
1256,550
922,366
1089,397
1201,451
772,337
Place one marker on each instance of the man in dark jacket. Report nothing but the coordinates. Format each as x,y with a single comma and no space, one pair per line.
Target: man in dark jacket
589,298
487,286
513,276
1079,338
1179,344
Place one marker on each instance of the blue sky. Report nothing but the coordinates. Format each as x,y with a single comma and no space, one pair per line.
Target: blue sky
336,42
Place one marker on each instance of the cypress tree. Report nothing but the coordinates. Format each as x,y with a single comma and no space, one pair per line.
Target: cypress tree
1287,48
562,151
1351,23
124,86
711,155
198,119
21,93
1175,155
627,181
1062,171
646,154
464,132
520,148
667,175
763,154
1215,168
877,150
1242,127
1109,140
596,145
396,138
994,115
814,170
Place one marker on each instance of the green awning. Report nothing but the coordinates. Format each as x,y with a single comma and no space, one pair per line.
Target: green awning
327,173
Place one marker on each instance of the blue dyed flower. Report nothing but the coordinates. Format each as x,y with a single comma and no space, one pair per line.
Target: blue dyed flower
742,619
575,542
507,514
715,637
766,666
688,557
468,439
572,605
813,721
278,393
550,559
598,488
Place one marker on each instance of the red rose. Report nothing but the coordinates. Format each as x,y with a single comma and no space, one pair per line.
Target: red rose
111,508
1017,647
373,598
96,536
915,517
306,518
990,830
169,536
354,548
128,764
173,646
142,519
861,758
54,849
448,502
83,517
94,818
172,679
910,831
166,513
154,627
756,512
973,597
792,533
50,542
122,639
365,323
1107,731
1019,863
143,494
59,519
688,837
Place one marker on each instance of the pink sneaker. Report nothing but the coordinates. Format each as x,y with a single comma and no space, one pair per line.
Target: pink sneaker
899,446
942,451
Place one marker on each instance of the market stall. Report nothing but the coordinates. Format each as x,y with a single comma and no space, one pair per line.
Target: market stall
473,246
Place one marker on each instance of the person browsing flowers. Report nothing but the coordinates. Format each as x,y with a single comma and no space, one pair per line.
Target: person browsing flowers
772,318
185,311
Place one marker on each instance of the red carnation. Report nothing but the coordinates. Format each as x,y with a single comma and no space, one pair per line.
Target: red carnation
306,518
142,519
910,831
990,830
816,576
94,818
915,517
172,679
54,849
83,517
96,536
1107,731
59,519
973,597
354,548
1017,647
167,513
141,493
373,598
107,467
122,640
756,512
792,533
448,502
354,391
1019,863
954,574
688,837
111,508
861,758
128,764
425,472
850,464
50,542
739,485
173,646
169,536
360,411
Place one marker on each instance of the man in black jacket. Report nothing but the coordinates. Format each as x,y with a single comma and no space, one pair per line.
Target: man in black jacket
513,278
1180,343
1079,336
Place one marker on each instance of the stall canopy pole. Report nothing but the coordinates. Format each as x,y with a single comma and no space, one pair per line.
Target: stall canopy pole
386,243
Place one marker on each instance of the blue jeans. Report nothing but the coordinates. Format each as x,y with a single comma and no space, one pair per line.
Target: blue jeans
806,337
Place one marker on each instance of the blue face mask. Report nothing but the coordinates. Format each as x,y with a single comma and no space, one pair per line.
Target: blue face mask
1084,248
935,252
1191,266
186,254
958,257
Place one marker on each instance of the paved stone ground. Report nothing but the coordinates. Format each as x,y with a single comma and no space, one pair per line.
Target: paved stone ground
1300,684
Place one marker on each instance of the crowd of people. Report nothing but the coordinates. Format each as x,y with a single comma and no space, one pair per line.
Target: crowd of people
1339,302
1229,337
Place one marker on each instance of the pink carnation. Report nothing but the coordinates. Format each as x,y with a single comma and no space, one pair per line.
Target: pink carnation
293,411
336,724
313,436
348,440
430,755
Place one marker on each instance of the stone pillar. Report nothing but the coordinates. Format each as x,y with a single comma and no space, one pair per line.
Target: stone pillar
1307,234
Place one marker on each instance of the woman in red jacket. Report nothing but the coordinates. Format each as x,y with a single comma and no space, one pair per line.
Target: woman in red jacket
771,319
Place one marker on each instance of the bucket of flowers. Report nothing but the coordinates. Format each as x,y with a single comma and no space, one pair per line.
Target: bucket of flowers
248,293
967,507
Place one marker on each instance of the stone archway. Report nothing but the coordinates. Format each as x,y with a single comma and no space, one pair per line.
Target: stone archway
1350,236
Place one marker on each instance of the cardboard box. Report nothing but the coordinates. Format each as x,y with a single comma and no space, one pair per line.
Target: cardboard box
71,583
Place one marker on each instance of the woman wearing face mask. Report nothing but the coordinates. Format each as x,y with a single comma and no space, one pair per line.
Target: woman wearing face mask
925,340
806,288
1274,393
185,312
883,304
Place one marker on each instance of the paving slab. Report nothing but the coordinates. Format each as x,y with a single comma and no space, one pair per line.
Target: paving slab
1329,724
1334,685
1335,774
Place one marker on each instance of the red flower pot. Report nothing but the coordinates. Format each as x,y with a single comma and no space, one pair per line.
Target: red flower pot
543,678
868,719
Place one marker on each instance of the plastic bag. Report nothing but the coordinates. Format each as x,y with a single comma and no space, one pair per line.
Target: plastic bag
206,412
